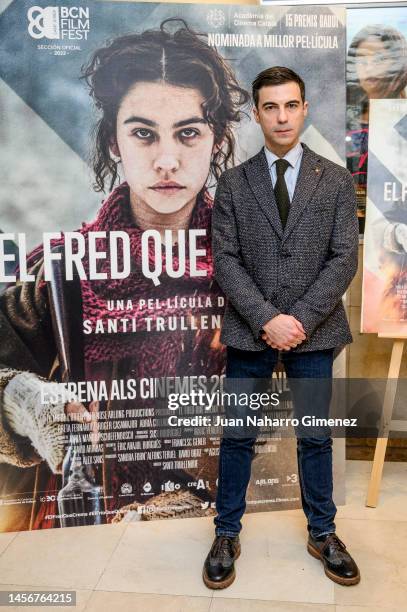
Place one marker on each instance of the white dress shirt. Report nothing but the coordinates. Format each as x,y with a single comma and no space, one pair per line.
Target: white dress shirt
294,157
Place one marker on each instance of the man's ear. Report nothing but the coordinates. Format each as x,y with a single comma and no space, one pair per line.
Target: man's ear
114,148
256,114
305,109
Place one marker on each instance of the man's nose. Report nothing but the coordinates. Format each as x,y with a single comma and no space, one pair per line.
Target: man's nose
282,115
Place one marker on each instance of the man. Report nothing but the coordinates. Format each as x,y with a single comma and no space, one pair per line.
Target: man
285,242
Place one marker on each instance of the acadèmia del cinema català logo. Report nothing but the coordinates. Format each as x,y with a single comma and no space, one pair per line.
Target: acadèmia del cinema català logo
216,18
59,22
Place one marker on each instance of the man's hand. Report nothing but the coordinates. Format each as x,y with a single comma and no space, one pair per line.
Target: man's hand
283,332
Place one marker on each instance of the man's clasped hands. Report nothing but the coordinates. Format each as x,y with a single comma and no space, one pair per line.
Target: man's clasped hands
283,332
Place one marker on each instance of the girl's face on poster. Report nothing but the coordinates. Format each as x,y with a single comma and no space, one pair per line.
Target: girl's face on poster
374,64
164,143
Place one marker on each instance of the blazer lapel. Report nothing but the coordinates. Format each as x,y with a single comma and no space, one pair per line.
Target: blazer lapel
310,173
258,176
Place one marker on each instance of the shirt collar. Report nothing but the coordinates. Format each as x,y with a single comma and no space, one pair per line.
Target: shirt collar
293,156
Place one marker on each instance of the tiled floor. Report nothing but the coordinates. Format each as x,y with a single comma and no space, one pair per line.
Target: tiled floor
151,566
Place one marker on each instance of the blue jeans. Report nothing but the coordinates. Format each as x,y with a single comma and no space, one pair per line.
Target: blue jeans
314,454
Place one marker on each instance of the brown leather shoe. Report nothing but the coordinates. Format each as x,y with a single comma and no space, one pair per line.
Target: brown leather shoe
219,570
339,565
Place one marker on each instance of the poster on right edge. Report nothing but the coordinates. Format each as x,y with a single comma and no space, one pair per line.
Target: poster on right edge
384,296
376,68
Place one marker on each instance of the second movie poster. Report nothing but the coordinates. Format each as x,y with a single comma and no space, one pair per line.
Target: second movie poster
117,120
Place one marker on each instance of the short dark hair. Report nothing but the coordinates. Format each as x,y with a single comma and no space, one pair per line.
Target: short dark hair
276,75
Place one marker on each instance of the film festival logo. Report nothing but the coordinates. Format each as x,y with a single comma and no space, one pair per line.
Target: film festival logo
58,23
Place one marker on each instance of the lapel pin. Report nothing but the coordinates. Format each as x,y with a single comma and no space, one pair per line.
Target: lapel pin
317,170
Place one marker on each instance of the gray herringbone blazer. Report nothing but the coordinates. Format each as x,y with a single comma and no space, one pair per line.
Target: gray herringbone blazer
304,270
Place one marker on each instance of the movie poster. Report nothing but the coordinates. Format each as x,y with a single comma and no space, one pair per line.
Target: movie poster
376,68
384,305
117,120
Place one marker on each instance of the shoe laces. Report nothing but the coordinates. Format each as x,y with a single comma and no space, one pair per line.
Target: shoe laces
337,548
223,548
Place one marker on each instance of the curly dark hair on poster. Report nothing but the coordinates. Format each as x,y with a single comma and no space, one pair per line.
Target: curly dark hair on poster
177,56
394,82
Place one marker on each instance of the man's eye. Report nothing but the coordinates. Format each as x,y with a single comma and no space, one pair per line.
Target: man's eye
143,133
188,133
293,105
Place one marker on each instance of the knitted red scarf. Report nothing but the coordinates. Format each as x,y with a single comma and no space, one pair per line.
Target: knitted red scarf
115,214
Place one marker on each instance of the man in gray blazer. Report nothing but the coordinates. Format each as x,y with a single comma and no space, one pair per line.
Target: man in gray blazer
285,244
